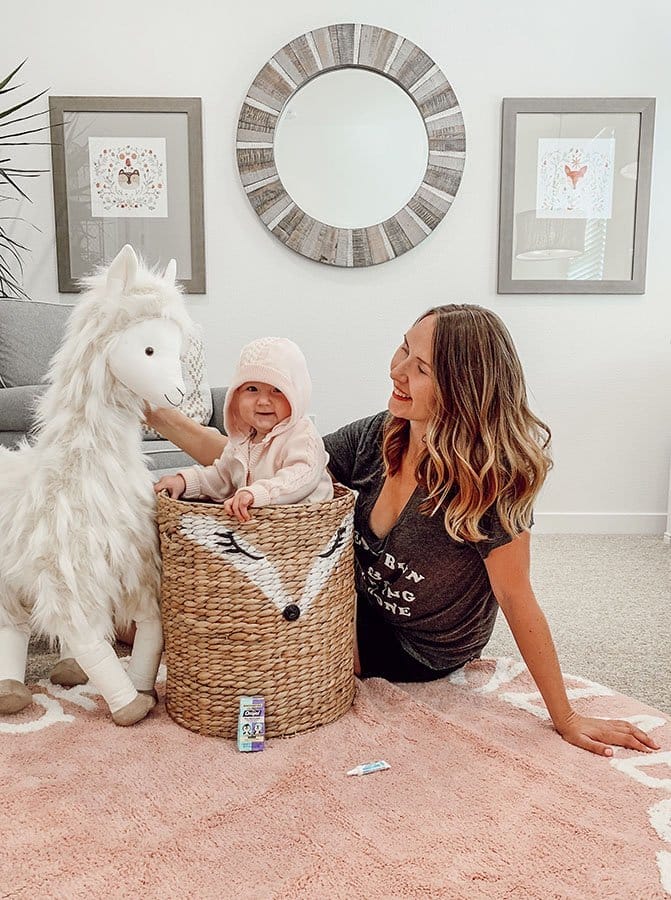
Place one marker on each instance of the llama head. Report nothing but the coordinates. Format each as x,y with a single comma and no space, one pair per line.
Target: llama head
145,358
145,355
124,340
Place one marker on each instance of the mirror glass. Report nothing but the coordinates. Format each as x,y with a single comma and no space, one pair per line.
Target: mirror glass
351,148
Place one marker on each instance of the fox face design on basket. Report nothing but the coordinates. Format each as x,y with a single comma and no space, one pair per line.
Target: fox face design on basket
253,562
261,608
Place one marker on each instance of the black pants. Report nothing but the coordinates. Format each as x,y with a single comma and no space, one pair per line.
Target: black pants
380,653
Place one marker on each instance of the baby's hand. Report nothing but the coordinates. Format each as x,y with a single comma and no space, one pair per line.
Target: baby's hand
173,484
238,504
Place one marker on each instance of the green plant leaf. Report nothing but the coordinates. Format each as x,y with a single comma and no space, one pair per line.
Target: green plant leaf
14,87
42,112
11,250
12,109
3,138
12,74
14,184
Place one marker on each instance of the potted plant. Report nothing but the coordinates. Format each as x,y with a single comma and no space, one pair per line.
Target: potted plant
13,133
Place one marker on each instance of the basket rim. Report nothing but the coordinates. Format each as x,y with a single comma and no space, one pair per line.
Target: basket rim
341,496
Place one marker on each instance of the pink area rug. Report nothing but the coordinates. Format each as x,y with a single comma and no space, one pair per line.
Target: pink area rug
483,799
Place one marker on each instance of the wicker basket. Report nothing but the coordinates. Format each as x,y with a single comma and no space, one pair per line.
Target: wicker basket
265,607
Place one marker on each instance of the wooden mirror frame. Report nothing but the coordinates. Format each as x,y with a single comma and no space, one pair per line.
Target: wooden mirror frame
307,57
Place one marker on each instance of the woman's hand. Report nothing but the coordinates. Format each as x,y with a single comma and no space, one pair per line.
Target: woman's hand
596,735
173,484
152,417
202,443
238,504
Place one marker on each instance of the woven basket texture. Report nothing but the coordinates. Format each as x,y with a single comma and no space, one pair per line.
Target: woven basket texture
230,595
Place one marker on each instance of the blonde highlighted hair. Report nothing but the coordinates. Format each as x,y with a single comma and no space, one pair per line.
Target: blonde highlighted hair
484,447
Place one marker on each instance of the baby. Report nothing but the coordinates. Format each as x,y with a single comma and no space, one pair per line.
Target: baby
274,454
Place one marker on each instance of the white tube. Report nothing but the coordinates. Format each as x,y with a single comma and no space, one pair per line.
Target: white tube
101,664
146,656
366,768
64,651
14,652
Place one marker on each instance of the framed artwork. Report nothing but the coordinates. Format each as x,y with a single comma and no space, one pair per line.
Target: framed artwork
575,195
128,170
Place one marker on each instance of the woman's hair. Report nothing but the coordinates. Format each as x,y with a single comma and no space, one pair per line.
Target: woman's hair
484,446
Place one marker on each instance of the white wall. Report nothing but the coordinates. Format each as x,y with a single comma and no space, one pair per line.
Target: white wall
598,367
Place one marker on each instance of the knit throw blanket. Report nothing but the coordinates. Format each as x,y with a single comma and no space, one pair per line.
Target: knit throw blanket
483,799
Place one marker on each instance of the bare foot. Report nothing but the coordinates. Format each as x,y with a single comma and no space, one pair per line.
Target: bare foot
68,673
14,696
134,711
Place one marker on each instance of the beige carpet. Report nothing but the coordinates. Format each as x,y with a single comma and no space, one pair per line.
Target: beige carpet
483,799
608,601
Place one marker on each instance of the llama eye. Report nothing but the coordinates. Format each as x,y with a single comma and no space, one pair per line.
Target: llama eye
149,351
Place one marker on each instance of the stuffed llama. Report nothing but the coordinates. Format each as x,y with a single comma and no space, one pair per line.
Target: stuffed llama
78,539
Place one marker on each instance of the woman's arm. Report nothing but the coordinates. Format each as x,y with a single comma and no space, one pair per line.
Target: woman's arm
202,443
508,570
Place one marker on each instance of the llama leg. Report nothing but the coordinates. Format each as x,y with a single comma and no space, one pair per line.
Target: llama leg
146,656
102,666
14,695
67,671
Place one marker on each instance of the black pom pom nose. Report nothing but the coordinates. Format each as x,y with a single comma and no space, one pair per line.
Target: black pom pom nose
291,612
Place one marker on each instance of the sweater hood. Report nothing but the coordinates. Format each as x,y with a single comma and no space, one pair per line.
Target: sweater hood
273,360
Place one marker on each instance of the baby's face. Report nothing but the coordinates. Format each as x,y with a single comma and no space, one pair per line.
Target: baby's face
262,406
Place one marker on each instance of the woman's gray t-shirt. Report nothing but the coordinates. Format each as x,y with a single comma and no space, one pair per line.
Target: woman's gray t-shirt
433,590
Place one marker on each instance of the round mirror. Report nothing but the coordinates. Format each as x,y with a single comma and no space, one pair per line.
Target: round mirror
351,145
351,148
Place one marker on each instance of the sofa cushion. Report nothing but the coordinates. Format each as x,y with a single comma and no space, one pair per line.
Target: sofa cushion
11,439
218,398
30,334
198,397
164,455
17,406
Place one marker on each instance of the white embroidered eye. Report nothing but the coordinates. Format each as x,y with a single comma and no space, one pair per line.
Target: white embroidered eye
149,351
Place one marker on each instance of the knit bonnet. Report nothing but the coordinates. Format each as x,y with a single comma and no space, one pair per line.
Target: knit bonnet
273,360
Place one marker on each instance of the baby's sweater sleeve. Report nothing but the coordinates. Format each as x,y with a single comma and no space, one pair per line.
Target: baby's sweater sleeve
208,481
303,466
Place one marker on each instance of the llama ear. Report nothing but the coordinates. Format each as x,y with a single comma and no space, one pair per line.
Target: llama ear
123,269
170,274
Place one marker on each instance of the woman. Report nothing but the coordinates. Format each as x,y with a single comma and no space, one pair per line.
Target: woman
446,481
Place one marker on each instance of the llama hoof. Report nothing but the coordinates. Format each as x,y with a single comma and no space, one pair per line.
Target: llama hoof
14,696
150,693
135,710
68,673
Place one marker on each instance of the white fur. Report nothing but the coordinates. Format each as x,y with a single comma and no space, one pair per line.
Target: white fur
78,540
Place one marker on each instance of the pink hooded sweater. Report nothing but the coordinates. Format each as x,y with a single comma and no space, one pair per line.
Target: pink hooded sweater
289,464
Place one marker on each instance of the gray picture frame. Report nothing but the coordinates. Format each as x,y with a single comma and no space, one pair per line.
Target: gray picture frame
350,45
637,214
185,216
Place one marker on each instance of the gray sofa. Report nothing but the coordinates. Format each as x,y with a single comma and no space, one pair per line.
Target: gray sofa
30,333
